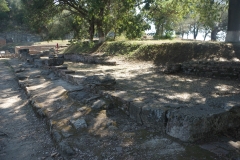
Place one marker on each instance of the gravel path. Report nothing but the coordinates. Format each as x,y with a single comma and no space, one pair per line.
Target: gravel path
22,135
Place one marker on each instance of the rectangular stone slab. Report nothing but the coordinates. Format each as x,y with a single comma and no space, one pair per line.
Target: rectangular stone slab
195,123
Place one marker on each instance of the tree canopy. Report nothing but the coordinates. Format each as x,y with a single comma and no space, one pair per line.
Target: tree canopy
86,19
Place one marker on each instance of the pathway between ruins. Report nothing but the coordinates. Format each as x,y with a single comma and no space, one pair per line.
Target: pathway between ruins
23,136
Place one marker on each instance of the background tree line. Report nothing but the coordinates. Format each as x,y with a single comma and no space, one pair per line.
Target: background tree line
53,19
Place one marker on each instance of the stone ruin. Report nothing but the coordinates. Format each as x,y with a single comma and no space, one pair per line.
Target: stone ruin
203,68
50,60
183,122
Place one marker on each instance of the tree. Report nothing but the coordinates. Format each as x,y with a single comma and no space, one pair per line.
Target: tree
164,14
13,18
233,31
134,25
39,15
212,16
3,6
4,9
98,16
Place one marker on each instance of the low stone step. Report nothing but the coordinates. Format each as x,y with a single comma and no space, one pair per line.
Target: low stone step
75,79
190,124
66,71
59,67
54,61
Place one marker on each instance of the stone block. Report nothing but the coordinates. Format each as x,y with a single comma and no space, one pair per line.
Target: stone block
78,79
154,117
194,123
135,113
100,80
69,78
79,123
98,104
54,61
60,67
65,72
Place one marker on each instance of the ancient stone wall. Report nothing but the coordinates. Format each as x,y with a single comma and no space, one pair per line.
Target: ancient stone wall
35,49
213,69
88,59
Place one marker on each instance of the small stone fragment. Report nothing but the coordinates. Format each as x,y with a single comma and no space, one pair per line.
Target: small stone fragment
78,124
118,149
54,154
98,104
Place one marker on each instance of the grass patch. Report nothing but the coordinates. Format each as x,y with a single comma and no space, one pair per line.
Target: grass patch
161,52
119,48
82,47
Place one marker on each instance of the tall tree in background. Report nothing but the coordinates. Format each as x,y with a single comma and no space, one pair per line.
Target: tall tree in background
98,16
12,18
212,15
164,14
38,14
106,15
233,31
4,9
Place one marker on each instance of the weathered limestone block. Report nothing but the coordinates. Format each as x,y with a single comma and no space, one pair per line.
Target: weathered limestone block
88,59
77,79
23,54
65,71
154,117
79,123
100,80
56,56
98,104
135,113
54,61
195,123
57,69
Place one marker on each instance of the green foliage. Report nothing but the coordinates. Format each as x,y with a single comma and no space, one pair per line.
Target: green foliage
181,16
39,15
89,16
82,47
135,26
12,19
118,48
3,6
165,14
167,35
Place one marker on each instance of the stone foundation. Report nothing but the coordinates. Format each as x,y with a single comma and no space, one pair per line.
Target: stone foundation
88,59
212,69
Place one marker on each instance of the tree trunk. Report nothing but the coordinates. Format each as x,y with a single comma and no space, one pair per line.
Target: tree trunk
205,36
182,34
99,24
157,34
162,30
101,34
195,31
233,32
91,29
214,34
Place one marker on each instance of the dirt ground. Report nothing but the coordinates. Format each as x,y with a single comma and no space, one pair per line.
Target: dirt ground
146,82
23,136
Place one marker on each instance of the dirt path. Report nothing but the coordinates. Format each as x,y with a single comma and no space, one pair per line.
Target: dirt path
22,134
